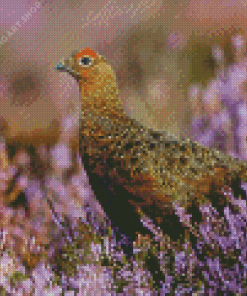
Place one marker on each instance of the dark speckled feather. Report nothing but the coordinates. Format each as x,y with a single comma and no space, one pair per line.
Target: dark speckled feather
131,167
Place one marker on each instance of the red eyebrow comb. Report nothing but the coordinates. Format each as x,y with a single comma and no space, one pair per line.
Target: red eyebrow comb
86,51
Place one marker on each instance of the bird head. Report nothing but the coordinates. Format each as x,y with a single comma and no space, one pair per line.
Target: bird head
85,65
97,81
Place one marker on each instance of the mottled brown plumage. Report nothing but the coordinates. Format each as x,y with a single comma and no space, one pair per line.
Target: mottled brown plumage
132,167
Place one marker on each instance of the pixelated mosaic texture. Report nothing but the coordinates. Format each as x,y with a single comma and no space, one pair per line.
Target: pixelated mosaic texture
170,78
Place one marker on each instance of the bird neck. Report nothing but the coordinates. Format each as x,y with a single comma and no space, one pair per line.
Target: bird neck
101,116
99,98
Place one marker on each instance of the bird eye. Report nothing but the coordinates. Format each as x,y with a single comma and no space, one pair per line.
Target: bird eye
85,61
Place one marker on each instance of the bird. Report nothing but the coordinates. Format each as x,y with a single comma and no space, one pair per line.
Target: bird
133,169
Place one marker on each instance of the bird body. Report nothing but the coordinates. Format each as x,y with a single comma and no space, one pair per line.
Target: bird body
139,168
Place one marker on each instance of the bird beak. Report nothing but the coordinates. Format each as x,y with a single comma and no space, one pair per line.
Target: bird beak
65,65
62,67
